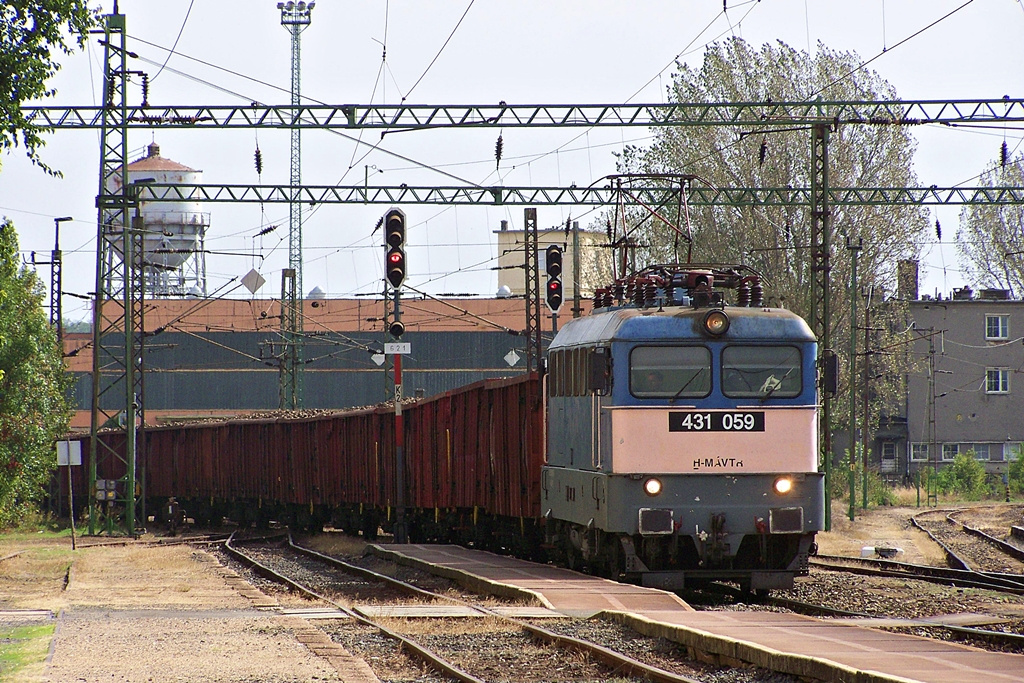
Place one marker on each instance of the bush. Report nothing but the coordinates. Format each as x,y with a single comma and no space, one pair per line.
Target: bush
965,477
879,492
1016,472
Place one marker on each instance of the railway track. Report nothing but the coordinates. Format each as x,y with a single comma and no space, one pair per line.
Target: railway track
978,562
969,548
960,578
340,584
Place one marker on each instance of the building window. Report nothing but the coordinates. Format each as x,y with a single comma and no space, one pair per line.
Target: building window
997,381
997,327
919,452
950,451
981,451
1013,451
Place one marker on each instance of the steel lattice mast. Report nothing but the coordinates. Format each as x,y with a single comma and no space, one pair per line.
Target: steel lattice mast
117,393
295,16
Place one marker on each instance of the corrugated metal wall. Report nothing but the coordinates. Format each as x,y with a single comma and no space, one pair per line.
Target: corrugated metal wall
224,370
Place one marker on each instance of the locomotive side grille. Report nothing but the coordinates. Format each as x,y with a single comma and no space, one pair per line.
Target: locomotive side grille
786,520
655,521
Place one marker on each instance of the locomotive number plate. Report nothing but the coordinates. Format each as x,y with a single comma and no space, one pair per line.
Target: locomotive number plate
728,421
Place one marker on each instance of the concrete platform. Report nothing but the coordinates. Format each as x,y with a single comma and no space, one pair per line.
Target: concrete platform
829,650
452,612
561,590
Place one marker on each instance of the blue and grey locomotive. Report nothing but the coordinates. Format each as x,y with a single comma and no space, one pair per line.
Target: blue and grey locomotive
682,433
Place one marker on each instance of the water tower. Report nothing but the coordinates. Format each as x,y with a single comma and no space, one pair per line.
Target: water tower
175,232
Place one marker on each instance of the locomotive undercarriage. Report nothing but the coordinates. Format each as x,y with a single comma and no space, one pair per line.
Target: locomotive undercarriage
760,562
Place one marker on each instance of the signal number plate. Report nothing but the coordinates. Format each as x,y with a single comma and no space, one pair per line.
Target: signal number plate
728,421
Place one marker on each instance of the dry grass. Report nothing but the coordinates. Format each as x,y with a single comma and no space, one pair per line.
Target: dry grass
878,526
334,543
35,578
449,627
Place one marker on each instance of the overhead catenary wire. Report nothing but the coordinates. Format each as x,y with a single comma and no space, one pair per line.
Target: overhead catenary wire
170,53
447,40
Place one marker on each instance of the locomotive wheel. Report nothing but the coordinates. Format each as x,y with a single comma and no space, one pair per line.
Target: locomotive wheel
573,557
614,559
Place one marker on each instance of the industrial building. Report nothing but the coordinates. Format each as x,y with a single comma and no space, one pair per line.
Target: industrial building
207,357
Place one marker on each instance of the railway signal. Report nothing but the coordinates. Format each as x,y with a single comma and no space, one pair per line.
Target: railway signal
394,230
553,292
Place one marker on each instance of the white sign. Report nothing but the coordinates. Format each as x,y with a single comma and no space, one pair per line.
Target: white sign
253,281
69,453
398,348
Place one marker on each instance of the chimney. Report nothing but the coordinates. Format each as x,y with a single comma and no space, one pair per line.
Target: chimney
907,280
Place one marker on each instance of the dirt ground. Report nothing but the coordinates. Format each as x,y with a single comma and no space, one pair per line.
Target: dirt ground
885,526
150,613
172,613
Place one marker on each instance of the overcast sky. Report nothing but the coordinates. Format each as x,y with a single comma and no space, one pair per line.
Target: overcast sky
523,52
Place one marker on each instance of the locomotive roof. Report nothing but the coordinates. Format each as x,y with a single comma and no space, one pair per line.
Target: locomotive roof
634,324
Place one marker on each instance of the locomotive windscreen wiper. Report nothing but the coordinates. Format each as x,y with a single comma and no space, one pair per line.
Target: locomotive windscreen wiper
675,397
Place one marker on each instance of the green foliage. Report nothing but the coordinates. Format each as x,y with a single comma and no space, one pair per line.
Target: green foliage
34,411
30,32
989,233
1016,472
23,646
964,477
775,240
879,492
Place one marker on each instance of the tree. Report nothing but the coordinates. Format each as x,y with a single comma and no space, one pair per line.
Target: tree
34,410
990,240
29,34
775,241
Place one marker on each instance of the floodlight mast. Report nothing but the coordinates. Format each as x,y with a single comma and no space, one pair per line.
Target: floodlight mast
295,16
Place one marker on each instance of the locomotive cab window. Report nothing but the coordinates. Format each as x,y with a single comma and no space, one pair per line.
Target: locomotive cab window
670,371
761,371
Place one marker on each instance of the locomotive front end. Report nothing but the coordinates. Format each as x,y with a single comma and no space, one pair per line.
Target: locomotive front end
697,458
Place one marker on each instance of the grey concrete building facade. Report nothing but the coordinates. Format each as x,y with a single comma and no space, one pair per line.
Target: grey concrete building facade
964,393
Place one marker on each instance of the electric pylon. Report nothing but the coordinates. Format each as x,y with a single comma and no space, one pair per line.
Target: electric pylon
295,16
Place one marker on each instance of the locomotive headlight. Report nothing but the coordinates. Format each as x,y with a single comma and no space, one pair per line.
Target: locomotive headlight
783,485
716,322
652,487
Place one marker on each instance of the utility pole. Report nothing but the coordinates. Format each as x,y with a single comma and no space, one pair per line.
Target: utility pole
55,323
866,395
295,17
854,252
933,481
577,309
821,288
532,293
56,283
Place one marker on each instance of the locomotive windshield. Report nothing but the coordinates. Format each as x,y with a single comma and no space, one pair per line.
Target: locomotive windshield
761,371
670,371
